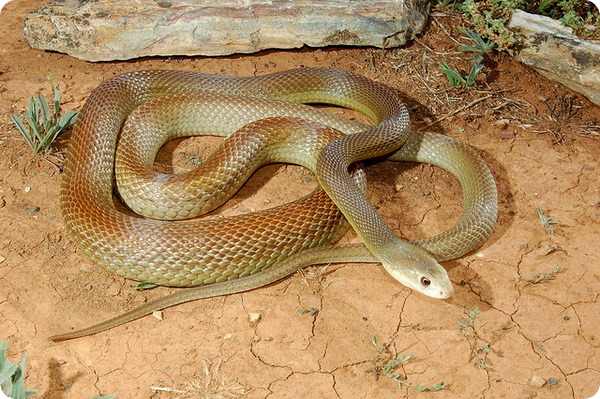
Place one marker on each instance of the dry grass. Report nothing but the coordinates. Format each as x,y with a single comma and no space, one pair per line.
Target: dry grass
211,384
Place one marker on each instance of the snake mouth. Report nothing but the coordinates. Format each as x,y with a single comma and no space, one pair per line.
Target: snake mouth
445,294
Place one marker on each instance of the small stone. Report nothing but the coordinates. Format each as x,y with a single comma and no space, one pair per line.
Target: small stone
553,381
2,258
33,209
158,314
507,134
227,336
548,249
254,318
27,189
537,381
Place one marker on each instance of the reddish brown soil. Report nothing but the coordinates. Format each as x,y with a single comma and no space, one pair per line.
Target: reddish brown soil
540,140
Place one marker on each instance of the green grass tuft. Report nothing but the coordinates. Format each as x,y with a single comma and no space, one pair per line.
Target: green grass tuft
43,125
12,376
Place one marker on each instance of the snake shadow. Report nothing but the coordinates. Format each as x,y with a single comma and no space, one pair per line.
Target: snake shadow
59,384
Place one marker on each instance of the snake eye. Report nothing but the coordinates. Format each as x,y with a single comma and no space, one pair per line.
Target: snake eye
425,281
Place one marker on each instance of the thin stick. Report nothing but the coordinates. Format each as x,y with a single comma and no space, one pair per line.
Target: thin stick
166,389
456,111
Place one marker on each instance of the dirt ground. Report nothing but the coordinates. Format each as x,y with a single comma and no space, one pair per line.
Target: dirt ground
526,305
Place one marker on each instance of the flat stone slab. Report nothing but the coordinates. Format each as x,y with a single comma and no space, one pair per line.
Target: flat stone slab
558,54
106,30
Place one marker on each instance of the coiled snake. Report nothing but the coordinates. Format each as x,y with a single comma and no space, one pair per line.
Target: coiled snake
252,250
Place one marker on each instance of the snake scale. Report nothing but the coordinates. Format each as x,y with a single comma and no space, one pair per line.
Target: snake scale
233,254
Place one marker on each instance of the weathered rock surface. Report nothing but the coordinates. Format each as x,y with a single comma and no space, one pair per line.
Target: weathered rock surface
555,52
106,30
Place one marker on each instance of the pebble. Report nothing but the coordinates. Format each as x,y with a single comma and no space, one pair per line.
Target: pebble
507,134
254,318
158,314
537,381
312,311
548,249
502,122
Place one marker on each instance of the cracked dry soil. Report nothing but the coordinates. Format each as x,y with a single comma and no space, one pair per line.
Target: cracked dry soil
310,334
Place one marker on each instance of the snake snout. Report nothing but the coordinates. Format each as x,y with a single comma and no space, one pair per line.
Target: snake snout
418,270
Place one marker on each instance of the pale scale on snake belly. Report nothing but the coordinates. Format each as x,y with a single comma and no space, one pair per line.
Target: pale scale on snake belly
192,252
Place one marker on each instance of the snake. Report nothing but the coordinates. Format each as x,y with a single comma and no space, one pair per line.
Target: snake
233,254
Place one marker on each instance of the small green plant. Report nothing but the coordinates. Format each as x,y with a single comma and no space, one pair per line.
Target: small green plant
448,3
489,17
387,364
546,221
456,79
544,6
12,376
43,124
479,48
468,328
541,277
582,16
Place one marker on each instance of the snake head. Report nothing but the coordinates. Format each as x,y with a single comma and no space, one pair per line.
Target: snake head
417,269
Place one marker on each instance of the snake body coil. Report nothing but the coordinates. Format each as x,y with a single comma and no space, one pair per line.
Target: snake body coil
199,252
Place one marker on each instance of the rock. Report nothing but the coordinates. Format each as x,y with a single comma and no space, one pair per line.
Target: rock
507,134
558,54
537,381
254,318
106,30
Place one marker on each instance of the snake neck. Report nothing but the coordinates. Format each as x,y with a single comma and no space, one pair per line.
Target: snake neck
408,264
